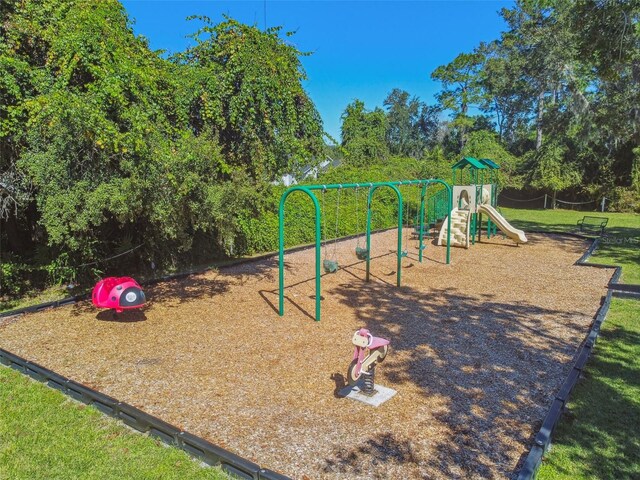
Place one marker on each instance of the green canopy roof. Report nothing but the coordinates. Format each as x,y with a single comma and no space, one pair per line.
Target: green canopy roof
490,163
469,162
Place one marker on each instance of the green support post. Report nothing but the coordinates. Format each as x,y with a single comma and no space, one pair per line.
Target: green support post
281,245
373,188
421,227
425,184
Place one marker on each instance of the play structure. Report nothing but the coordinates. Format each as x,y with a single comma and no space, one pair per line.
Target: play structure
475,192
330,263
456,212
118,293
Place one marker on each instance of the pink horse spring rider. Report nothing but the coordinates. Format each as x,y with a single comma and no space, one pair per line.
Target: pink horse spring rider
369,351
119,293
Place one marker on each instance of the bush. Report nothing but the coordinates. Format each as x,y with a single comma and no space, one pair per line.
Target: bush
485,144
351,217
625,200
14,278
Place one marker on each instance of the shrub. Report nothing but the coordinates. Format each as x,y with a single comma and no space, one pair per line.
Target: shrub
14,278
625,200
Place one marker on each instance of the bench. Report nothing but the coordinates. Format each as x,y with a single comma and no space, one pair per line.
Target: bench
593,224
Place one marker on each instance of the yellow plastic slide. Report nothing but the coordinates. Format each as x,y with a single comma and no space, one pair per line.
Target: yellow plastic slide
514,234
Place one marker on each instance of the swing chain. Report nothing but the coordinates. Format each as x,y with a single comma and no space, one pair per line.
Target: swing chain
335,241
357,218
405,228
324,222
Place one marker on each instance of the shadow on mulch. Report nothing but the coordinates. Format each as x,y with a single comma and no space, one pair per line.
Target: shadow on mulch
477,355
358,265
340,382
128,316
193,287
568,242
386,449
473,351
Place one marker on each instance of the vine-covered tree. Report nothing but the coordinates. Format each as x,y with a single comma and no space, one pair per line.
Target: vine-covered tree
105,145
249,95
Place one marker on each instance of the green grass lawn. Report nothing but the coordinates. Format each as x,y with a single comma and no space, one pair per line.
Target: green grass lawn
598,437
56,292
44,435
620,247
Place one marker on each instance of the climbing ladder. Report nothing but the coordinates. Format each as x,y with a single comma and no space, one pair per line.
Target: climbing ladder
460,224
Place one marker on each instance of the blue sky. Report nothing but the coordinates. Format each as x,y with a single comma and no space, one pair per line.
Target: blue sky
360,49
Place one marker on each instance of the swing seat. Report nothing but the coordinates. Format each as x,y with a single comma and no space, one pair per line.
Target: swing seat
362,253
330,266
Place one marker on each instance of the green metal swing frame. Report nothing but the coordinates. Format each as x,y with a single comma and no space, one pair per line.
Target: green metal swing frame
309,189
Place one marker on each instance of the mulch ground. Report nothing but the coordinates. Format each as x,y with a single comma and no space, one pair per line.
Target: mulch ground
478,349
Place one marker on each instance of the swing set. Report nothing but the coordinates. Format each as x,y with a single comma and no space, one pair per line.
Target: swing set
330,265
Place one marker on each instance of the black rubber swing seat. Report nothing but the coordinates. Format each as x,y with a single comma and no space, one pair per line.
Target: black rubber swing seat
362,253
330,266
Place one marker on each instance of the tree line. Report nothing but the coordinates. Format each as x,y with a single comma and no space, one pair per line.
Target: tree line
559,91
107,146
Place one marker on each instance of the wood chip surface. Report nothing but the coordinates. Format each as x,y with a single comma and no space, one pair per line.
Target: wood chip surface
478,350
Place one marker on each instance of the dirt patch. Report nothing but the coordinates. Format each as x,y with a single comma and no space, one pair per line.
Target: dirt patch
478,349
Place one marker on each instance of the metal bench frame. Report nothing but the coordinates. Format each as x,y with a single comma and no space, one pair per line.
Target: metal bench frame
593,224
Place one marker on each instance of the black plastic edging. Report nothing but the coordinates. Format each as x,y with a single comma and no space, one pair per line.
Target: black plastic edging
627,295
144,422
627,288
173,276
542,440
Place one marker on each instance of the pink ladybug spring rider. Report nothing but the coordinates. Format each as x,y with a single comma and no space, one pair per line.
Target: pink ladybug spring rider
119,293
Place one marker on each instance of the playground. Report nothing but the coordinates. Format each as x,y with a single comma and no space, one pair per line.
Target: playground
478,348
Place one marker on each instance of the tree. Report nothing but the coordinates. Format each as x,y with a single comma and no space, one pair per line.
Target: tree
363,133
563,72
505,92
547,169
248,94
609,45
461,89
429,124
412,125
486,144
546,51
